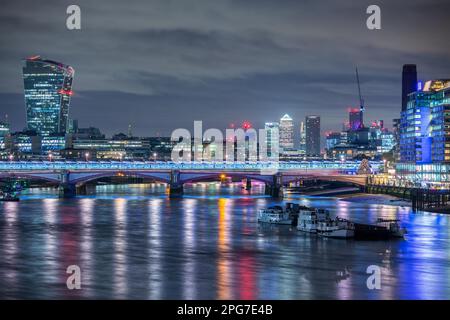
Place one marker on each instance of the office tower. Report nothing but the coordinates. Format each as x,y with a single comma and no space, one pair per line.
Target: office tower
424,125
302,148
272,136
409,82
48,89
286,132
312,136
355,119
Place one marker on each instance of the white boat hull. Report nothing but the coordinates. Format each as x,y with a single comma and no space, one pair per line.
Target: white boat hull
338,234
275,221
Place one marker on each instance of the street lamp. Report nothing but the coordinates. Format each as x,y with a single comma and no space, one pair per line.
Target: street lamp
86,155
50,156
11,157
154,156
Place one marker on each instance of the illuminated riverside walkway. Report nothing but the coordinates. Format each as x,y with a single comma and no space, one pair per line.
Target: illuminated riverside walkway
70,175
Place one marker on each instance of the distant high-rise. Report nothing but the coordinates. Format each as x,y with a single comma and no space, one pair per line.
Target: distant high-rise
286,132
409,82
48,88
272,131
355,119
302,147
312,136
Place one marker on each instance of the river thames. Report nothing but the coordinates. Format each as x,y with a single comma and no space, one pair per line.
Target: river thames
132,241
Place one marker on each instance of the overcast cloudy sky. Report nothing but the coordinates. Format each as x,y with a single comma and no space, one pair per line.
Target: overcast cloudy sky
160,65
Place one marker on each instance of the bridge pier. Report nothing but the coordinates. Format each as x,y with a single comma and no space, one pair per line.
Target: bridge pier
275,189
248,184
67,190
175,185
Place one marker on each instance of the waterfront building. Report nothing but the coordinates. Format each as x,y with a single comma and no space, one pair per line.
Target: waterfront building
53,144
387,142
115,149
425,136
409,82
48,89
286,129
312,136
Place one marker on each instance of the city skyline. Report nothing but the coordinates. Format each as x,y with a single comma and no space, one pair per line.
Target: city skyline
204,61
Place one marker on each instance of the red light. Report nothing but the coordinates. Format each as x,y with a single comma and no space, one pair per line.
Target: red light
34,58
246,125
66,92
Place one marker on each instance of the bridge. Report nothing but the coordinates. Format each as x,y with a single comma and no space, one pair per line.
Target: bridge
71,176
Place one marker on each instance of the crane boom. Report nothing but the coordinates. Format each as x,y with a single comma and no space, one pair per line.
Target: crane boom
361,101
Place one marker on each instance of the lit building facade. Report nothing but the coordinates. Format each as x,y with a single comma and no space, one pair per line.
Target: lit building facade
48,89
272,137
425,136
286,130
312,136
302,145
355,119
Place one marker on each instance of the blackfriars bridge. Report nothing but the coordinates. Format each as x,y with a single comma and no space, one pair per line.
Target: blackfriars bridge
71,176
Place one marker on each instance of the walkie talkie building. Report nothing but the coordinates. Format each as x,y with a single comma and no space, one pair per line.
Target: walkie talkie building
48,89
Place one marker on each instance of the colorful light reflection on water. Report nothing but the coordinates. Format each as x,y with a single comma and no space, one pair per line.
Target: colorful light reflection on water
134,242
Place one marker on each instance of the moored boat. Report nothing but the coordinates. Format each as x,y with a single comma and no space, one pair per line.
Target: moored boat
336,228
392,225
275,215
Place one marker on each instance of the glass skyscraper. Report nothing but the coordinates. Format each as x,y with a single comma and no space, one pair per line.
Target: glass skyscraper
48,89
286,132
425,135
312,136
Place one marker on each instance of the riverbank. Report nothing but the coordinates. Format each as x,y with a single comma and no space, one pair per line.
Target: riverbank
383,199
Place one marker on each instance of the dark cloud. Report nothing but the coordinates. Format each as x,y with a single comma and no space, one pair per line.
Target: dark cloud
162,64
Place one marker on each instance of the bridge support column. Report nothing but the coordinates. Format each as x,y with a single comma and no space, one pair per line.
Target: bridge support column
175,186
275,189
248,184
65,188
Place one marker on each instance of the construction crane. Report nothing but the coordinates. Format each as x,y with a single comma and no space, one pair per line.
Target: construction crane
361,101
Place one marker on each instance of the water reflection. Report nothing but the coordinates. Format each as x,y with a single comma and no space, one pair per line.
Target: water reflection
120,246
135,242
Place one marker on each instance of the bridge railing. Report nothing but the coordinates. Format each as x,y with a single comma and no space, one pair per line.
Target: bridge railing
350,166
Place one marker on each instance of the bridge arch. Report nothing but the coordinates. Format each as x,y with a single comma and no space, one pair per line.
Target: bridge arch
50,177
80,178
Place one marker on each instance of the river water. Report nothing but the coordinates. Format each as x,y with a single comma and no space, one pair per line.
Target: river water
132,241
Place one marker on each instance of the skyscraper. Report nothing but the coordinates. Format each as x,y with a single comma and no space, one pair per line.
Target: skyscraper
286,132
272,131
48,88
355,119
312,136
302,148
409,82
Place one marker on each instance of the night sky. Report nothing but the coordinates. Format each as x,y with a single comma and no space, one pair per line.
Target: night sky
160,65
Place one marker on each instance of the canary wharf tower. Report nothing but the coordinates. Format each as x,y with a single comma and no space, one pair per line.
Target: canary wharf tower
48,88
